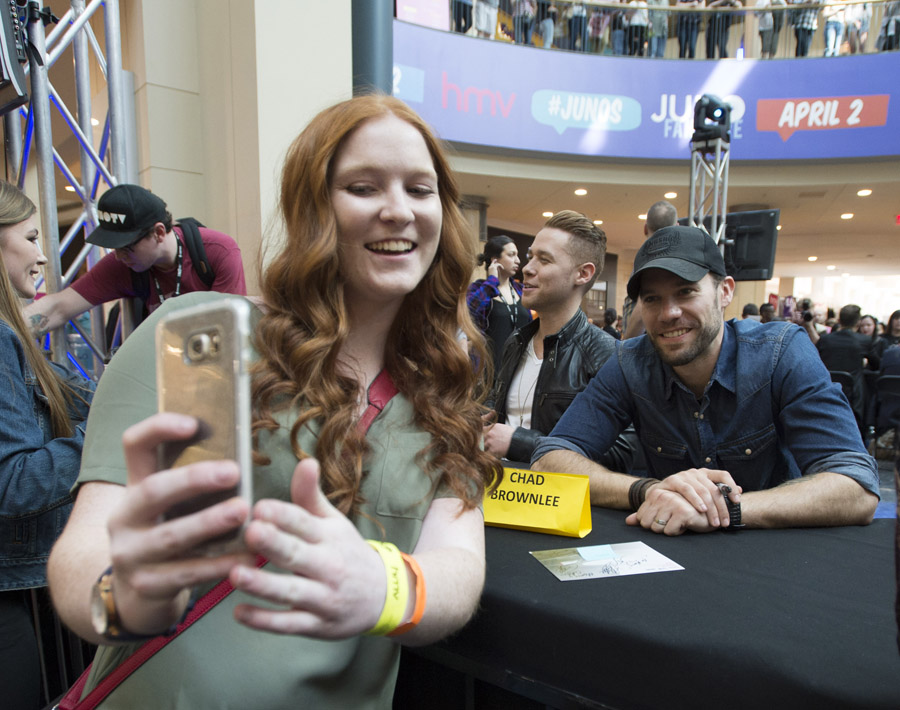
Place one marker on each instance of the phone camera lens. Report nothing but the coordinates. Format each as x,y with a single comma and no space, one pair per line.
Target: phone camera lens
198,347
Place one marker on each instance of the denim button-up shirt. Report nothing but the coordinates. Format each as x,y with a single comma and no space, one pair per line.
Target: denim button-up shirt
36,469
768,414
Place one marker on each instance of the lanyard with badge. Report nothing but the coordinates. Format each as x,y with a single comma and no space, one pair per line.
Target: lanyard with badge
179,268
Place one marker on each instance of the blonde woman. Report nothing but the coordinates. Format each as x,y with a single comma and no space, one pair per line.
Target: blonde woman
42,413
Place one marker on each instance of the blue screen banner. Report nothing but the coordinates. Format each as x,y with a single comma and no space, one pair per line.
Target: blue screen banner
525,98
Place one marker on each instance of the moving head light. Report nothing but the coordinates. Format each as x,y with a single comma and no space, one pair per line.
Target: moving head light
712,119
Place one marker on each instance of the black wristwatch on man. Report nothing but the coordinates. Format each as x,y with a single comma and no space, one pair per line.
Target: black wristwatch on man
734,509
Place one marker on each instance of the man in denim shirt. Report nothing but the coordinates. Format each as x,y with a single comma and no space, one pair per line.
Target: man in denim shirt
739,421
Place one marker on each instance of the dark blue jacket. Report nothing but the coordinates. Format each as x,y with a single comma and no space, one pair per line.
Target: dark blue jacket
769,413
36,469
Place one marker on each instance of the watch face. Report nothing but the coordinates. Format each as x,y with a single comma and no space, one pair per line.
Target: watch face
99,619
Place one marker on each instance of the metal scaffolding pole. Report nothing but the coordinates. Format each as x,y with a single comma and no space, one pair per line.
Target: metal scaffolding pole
43,143
12,135
81,52
117,127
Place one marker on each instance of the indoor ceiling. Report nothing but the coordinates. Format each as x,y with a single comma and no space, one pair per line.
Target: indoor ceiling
811,197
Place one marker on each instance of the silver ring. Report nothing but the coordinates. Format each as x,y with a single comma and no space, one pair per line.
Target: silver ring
661,522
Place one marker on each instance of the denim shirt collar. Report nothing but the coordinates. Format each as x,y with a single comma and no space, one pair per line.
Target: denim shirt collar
724,371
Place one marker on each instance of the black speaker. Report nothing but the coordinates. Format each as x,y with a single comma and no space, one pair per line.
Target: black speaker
13,92
750,239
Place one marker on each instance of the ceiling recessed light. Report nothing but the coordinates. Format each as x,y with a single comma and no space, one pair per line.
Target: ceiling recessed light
69,188
864,193
812,258
831,267
546,214
95,122
598,221
847,215
580,191
670,195
642,216
778,227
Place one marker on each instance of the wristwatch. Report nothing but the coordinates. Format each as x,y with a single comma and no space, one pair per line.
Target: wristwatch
734,510
104,617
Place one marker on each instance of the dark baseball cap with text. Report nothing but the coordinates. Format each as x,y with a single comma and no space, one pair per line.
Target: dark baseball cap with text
687,252
126,212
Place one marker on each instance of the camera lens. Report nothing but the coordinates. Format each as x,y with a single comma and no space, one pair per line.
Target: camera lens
198,346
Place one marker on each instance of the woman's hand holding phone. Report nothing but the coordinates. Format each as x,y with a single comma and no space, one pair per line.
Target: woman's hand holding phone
338,584
154,560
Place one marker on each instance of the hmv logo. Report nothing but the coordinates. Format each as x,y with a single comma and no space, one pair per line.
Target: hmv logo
113,217
484,99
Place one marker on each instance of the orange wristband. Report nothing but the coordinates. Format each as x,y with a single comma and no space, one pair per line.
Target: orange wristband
419,609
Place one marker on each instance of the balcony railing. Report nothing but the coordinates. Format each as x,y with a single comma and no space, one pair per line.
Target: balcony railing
661,28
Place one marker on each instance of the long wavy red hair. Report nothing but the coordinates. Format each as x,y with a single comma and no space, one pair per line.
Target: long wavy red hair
301,334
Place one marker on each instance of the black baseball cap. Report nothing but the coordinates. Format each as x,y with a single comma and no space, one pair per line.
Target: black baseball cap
126,212
688,252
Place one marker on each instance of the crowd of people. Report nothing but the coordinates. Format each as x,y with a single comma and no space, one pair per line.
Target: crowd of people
641,27
387,393
853,343
857,344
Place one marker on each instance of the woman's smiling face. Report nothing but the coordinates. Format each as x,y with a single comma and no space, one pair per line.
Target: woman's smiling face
385,194
22,255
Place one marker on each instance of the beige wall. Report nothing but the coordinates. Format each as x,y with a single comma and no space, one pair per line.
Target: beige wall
221,88
745,292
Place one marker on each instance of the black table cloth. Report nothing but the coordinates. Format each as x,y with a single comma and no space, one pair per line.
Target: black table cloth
800,618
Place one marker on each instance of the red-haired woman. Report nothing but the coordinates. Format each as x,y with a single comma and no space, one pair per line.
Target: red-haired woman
365,291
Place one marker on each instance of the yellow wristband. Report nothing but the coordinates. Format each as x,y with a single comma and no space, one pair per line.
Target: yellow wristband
397,594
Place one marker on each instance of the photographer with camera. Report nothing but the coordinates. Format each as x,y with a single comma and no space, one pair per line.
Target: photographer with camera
811,318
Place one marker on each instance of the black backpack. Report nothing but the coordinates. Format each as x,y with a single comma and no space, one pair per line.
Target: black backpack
190,228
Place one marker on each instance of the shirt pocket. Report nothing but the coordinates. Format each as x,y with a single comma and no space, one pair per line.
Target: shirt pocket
665,456
404,489
750,456
748,448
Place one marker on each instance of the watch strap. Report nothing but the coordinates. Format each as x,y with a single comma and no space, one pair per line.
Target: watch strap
734,516
114,630
734,510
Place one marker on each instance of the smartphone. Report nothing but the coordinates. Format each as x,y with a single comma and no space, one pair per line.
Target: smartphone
202,360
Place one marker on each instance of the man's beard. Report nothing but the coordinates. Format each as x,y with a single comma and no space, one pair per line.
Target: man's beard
704,336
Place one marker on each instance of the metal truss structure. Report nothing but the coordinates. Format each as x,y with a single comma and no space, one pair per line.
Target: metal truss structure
30,127
709,185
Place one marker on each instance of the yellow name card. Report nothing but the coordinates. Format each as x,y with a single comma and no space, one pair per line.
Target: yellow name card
555,503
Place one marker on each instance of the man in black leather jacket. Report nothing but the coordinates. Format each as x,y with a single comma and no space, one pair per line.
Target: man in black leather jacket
550,360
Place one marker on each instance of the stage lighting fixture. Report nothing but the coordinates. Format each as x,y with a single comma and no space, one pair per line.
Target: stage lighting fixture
712,119
13,91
